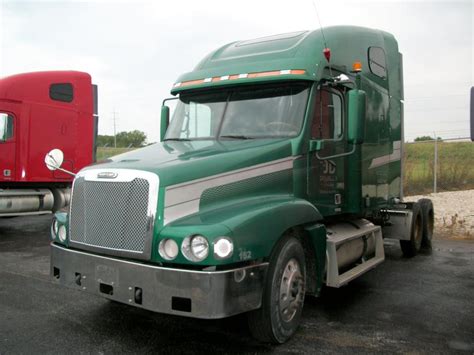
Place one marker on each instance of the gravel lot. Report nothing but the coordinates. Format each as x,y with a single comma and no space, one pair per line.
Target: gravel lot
454,213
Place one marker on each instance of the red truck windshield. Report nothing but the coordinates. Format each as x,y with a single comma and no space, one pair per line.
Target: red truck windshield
240,113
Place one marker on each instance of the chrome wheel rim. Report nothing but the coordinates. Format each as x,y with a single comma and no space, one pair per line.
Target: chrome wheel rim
291,290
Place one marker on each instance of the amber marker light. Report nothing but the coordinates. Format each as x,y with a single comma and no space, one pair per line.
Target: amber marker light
241,76
356,67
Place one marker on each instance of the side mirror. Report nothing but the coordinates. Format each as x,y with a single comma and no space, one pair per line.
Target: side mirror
472,114
54,159
356,116
165,121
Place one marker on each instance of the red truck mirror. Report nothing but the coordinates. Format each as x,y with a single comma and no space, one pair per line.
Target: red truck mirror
356,116
54,159
165,121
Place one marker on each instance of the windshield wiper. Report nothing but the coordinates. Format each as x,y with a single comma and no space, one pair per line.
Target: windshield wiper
176,139
236,136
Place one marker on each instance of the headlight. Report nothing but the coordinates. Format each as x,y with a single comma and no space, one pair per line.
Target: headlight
168,249
62,232
54,229
223,248
195,248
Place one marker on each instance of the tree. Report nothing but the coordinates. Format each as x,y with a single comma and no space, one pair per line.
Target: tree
426,138
134,139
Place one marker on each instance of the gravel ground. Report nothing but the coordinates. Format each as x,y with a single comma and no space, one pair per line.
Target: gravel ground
454,213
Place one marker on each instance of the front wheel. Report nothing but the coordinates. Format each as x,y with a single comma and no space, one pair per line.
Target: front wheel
283,297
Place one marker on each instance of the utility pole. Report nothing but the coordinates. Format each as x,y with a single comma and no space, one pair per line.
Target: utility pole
435,164
114,117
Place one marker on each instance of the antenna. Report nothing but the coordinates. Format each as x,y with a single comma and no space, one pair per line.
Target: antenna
326,50
320,26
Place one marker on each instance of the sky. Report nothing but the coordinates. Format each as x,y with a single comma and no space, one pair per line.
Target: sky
135,50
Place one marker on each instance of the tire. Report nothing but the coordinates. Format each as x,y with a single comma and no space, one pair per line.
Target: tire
282,301
427,211
411,247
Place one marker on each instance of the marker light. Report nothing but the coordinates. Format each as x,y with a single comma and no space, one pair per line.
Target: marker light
327,53
62,233
357,67
241,76
223,248
168,249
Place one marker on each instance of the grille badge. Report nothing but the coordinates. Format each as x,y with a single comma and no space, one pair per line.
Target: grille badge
107,175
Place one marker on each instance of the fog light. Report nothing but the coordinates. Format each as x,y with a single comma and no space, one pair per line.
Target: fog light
62,232
54,229
195,248
223,248
168,249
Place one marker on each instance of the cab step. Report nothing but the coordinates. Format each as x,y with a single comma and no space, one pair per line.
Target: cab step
355,247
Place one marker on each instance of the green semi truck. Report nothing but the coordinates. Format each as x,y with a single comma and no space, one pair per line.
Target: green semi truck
278,173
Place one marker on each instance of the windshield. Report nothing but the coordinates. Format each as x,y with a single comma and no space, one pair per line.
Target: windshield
240,113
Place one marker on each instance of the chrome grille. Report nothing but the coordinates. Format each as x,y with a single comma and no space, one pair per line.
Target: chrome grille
112,215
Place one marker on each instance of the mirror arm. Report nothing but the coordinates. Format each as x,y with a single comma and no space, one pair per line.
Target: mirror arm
65,171
337,155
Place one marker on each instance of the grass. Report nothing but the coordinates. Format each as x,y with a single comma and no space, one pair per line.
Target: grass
455,166
455,170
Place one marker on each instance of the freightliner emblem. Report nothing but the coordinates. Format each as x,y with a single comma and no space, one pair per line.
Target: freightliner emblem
107,175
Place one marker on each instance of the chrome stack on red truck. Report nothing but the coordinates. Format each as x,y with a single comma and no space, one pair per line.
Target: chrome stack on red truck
40,112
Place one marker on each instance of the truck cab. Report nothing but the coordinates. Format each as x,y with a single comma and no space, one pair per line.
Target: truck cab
278,172
38,112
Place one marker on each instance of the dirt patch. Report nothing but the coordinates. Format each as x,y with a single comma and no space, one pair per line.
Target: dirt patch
454,213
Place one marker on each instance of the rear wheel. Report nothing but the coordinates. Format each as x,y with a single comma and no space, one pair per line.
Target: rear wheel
412,247
283,297
427,211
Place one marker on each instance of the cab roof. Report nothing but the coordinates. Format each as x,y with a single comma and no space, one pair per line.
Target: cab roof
289,56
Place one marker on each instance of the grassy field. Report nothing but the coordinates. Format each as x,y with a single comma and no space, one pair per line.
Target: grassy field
455,166
455,169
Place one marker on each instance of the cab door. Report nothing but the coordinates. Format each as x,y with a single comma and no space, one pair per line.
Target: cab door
326,178
7,146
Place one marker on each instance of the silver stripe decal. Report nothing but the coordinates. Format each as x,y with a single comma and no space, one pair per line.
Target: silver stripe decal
386,159
183,199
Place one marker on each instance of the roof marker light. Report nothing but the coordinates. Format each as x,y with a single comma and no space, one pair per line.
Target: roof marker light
327,53
241,76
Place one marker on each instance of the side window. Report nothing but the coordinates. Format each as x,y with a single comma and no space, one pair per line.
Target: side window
6,127
61,92
199,120
327,119
377,63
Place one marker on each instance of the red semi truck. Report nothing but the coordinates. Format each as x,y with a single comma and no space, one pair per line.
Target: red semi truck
38,112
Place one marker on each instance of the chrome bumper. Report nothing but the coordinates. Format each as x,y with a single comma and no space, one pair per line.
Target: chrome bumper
199,294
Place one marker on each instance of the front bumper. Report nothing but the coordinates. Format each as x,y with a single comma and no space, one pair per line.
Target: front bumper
199,294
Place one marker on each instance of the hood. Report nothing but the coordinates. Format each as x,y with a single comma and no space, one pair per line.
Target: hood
177,162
